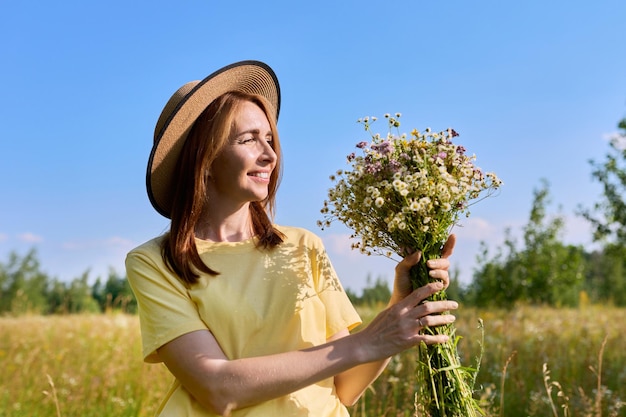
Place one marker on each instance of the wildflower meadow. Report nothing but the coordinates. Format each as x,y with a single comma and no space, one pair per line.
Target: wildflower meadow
536,362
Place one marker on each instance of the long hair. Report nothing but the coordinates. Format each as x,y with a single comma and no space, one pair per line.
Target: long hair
207,137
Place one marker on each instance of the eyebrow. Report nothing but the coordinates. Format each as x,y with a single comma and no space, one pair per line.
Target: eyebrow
254,132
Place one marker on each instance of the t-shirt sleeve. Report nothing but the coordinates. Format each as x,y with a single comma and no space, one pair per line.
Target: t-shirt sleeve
340,313
165,309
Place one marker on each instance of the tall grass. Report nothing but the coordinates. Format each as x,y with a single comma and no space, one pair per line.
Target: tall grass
85,366
519,346
536,362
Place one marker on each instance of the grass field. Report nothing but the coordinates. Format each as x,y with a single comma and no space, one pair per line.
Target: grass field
90,365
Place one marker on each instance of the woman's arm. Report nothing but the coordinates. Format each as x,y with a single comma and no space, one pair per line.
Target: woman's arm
222,385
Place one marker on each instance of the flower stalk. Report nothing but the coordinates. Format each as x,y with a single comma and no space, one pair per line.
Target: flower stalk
447,387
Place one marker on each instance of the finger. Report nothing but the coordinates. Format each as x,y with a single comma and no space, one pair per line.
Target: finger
434,339
448,248
435,308
440,274
414,298
405,264
440,263
437,320
422,293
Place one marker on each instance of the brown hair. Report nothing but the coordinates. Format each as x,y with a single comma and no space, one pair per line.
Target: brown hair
207,137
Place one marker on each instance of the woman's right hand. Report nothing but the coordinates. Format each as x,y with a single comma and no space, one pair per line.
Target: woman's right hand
398,327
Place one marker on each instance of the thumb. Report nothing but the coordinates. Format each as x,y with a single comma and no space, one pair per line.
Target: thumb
408,261
448,247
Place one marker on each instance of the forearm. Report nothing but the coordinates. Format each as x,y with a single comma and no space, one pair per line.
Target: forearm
352,383
254,380
222,385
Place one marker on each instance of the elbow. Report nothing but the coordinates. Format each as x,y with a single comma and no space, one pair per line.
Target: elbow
219,400
222,405
216,398
350,399
223,408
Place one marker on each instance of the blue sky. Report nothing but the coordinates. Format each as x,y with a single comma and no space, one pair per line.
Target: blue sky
533,87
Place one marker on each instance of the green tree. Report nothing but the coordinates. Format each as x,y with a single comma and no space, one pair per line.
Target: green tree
604,280
23,285
552,273
115,293
372,294
454,290
58,298
79,298
544,271
24,288
377,293
608,216
495,280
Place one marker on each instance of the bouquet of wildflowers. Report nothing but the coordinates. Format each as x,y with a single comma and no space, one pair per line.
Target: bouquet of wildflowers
406,192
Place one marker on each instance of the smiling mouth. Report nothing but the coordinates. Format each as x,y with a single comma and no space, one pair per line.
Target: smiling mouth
264,175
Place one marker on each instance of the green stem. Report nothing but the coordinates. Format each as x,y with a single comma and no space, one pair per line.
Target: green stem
445,387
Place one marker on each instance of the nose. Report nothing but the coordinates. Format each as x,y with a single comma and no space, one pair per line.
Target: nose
268,155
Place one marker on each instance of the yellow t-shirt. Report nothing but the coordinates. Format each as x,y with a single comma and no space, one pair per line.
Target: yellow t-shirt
263,302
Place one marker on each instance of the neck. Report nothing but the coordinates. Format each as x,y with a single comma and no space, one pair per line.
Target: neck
229,226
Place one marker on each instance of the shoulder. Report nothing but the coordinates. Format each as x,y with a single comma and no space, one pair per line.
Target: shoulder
149,251
300,235
149,247
146,270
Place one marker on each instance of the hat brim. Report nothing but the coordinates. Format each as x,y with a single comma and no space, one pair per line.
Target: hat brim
252,77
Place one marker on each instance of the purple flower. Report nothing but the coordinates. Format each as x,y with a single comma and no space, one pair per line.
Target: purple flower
478,173
460,149
361,145
394,166
442,155
373,168
351,157
385,148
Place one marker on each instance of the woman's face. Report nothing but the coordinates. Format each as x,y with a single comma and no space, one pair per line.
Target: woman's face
241,172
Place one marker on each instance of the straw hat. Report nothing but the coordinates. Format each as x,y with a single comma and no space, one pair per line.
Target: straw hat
182,110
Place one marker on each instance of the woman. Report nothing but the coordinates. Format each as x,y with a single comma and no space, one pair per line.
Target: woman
249,316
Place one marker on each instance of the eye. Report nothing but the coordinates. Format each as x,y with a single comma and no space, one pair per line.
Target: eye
246,139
